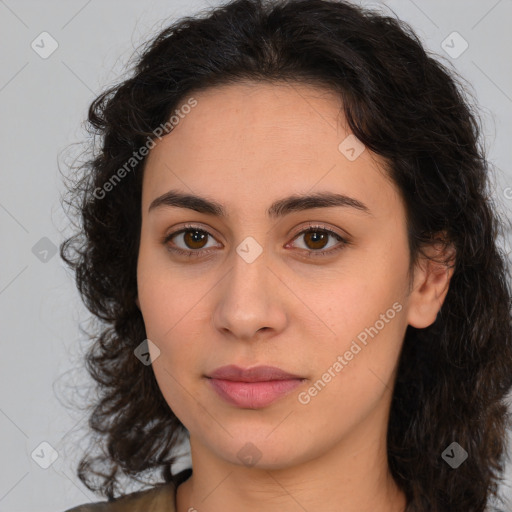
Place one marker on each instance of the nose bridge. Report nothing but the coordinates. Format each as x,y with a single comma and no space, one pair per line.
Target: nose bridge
249,261
247,301
248,279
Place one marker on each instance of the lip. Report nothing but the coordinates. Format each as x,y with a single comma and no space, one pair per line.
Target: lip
252,388
255,374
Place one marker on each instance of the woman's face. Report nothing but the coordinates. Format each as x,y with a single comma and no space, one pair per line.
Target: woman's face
257,290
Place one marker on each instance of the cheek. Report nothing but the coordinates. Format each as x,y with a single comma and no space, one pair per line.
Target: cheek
365,311
174,384
174,311
354,369
164,296
354,297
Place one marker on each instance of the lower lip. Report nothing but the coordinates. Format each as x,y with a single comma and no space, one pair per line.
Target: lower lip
253,395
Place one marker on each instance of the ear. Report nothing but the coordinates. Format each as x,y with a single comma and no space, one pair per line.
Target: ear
137,302
432,275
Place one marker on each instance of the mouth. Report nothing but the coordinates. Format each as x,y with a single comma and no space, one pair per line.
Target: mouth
252,388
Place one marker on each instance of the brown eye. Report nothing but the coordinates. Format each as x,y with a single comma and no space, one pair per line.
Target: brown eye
188,241
195,239
316,239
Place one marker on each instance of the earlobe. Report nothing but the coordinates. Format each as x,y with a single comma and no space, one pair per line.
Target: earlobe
431,282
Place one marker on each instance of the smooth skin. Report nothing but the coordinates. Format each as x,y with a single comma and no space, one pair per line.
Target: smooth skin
245,146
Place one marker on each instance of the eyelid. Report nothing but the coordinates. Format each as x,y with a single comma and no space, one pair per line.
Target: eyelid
311,225
343,241
183,229
189,227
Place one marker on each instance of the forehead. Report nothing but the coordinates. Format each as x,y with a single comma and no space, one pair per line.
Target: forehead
249,142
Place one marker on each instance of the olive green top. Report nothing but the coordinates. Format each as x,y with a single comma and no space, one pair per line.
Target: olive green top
161,498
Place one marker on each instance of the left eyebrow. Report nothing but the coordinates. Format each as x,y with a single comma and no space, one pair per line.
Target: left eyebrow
279,208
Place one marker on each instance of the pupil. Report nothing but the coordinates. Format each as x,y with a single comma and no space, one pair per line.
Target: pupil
317,237
192,237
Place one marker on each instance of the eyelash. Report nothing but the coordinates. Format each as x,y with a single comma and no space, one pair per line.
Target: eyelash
310,252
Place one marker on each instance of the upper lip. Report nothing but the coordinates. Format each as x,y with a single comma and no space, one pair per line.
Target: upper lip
255,374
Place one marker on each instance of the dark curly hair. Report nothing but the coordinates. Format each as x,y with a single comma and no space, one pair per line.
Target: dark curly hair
402,104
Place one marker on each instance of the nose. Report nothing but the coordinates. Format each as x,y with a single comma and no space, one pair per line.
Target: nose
250,301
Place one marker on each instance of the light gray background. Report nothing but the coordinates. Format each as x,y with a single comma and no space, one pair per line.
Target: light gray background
42,105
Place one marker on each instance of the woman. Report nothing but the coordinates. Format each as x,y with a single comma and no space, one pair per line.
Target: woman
288,234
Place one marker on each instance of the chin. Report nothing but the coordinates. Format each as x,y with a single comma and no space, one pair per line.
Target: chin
260,452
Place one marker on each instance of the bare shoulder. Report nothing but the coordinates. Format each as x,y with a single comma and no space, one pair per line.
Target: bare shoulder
160,498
